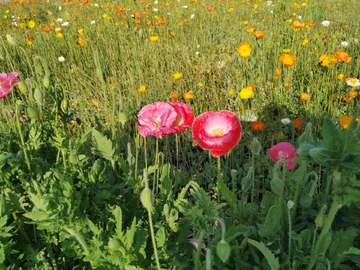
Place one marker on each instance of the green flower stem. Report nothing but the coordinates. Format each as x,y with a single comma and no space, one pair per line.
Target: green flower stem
136,160
301,173
223,227
51,255
177,162
28,60
327,191
78,237
219,179
22,228
197,259
157,167
63,152
253,185
327,225
289,252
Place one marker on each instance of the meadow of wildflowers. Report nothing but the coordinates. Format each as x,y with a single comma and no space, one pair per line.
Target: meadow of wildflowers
179,134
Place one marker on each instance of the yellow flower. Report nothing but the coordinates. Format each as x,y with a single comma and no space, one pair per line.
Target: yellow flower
5,16
250,29
289,21
59,35
143,89
200,84
340,76
6,11
73,122
177,75
244,50
246,93
255,6
281,134
304,42
154,38
104,16
72,70
22,26
96,103
246,22
80,31
231,91
230,10
31,24
23,16
294,14
286,50
345,121
28,42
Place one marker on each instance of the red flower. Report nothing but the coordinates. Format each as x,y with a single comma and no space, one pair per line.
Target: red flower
258,125
218,132
285,151
185,116
298,123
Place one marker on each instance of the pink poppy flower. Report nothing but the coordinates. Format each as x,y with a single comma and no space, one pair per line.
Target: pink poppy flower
156,119
217,131
185,116
5,78
285,151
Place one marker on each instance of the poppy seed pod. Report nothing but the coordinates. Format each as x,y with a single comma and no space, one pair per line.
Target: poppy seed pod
32,112
23,87
277,186
39,96
223,250
13,41
2,53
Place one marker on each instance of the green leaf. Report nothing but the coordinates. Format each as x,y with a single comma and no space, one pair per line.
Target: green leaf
273,262
330,134
160,237
272,222
36,215
118,220
102,145
6,156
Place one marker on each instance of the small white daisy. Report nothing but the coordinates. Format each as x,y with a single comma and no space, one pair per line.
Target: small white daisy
61,59
285,121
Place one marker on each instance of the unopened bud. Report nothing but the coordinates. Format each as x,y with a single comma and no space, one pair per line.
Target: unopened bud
208,259
39,96
23,88
32,112
46,81
114,244
255,146
146,199
320,219
233,173
290,204
64,105
223,250
277,186
306,200
73,159
13,41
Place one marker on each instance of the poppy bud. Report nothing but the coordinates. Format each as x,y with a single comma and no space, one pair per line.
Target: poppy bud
208,258
23,88
12,40
2,53
319,221
73,159
39,96
277,186
100,75
32,112
306,200
64,105
223,250
290,204
46,81
304,149
233,173
146,198
243,244
114,244
122,118
255,146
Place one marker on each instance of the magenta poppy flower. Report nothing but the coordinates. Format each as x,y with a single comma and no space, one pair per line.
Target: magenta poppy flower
285,151
156,119
218,132
185,116
5,87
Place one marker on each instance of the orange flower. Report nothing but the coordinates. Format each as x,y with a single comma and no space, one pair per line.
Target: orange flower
310,24
258,34
148,22
162,21
138,21
258,125
208,71
136,14
343,56
298,123
278,71
196,67
304,96
47,29
188,96
353,94
52,24
80,42
288,59
345,121
346,98
175,95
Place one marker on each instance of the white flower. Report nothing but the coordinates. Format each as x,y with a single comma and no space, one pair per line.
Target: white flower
192,16
285,121
299,17
248,115
356,40
197,53
185,6
59,8
65,24
344,44
61,59
96,5
271,11
49,13
269,3
59,20
57,29
168,13
353,82
15,24
326,23
198,46
155,2
132,15
221,64
92,22
155,9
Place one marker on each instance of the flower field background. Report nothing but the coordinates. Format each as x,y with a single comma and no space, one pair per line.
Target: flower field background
179,135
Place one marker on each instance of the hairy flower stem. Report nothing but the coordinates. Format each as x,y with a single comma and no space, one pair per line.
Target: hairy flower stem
136,160
253,186
78,237
301,173
177,162
157,165
197,259
219,179
28,60
289,252
327,225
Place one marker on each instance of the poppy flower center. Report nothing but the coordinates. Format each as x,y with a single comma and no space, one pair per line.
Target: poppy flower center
282,155
157,121
353,81
177,121
217,132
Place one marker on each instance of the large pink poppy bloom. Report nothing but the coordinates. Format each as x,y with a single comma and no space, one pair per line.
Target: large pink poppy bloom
5,87
285,151
218,131
156,119
185,116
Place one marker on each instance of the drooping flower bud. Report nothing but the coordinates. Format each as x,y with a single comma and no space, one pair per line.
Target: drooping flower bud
23,87
13,41
46,81
320,219
146,199
306,200
32,112
73,159
64,105
255,146
277,186
39,96
223,250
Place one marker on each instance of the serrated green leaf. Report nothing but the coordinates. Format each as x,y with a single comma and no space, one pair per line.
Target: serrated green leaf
273,262
330,134
6,156
102,145
36,215
118,220
160,237
272,222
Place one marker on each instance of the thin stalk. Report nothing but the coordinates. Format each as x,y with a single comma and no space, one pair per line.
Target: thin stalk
289,251
219,179
51,255
177,161
301,173
197,259
253,186
136,160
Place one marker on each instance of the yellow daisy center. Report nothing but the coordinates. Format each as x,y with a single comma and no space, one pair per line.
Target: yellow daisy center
218,132
353,81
